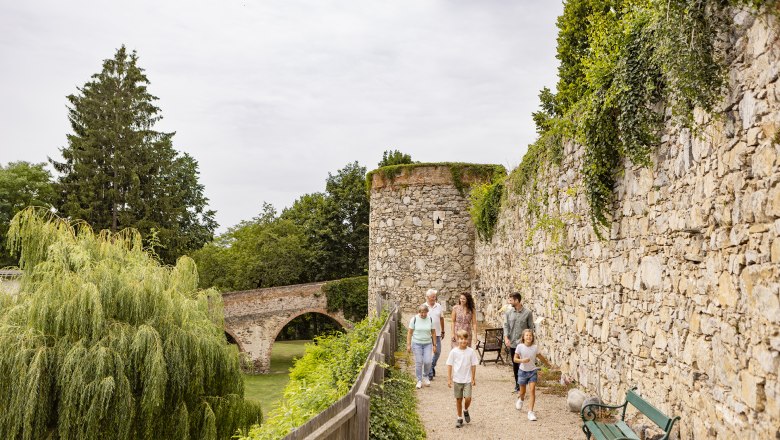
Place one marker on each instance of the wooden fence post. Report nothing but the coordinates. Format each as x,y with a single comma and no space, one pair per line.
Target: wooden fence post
363,413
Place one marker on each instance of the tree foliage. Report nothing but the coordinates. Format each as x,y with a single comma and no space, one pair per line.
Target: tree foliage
264,252
394,157
322,236
103,342
22,184
349,295
119,172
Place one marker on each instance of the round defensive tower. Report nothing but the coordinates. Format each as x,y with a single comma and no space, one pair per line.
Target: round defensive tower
420,231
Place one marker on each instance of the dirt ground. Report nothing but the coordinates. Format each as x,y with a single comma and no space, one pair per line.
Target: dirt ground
493,413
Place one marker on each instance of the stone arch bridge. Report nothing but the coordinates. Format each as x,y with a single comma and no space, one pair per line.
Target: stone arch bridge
253,318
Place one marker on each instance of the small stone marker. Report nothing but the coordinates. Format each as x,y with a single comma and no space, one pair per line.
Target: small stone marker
575,400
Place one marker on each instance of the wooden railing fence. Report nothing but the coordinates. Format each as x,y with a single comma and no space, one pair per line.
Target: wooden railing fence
347,418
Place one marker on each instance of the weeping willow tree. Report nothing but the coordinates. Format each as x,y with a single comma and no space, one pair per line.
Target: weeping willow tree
104,342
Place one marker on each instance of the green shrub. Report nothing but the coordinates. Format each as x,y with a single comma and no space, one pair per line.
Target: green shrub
394,409
323,375
349,295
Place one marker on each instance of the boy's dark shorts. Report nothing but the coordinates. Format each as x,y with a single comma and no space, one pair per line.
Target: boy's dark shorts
462,390
525,377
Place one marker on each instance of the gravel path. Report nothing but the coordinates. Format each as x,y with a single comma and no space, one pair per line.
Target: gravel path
493,414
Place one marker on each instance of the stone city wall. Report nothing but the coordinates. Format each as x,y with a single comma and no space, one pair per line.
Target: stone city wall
682,297
421,237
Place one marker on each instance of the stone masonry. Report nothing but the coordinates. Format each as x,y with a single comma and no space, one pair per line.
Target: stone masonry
254,318
682,297
421,237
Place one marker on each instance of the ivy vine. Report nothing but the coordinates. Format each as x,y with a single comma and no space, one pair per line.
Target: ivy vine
627,67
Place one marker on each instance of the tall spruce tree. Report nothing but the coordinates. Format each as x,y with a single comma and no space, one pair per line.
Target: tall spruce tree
104,342
119,172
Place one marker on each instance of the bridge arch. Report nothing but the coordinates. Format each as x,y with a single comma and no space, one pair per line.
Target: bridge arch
253,318
231,337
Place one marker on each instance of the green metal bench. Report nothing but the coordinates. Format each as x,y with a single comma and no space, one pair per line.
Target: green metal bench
620,430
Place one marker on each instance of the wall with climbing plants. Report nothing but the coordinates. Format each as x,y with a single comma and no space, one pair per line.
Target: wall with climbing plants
643,227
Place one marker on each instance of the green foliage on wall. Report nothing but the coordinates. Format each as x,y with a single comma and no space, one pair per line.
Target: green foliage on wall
485,207
104,342
626,68
349,295
322,376
462,173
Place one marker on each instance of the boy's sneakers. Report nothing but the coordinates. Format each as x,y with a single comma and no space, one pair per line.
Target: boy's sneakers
519,404
531,416
459,423
466,416
419,384
426,382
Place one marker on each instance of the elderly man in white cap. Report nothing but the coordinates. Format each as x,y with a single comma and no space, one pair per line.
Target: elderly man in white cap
435,312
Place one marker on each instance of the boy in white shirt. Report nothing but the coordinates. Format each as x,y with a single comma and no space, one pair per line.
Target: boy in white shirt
462,369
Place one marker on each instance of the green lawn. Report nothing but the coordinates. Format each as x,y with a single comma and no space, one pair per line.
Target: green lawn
267,388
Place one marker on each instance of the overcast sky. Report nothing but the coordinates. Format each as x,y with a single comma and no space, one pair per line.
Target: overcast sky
270,96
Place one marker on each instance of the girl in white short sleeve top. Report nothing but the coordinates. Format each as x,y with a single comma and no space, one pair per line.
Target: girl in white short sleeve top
525,354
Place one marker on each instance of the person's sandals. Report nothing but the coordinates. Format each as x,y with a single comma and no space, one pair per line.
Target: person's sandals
466,416
459,423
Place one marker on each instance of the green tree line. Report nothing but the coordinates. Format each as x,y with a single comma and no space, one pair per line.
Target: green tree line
322,236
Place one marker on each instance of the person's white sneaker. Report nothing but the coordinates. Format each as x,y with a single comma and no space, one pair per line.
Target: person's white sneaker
426,382
519,404
419,384
531,416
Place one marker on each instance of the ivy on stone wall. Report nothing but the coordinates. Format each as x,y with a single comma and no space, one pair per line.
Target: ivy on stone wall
627,68
486,206
462,173
349,295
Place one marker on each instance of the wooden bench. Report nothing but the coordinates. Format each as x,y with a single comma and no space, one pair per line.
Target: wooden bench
620,430
494,341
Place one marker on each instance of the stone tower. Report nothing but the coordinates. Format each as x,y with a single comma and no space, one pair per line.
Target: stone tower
421,233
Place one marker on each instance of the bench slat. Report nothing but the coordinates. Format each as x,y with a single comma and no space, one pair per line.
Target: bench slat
608,431
648,410
595,430
625,430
